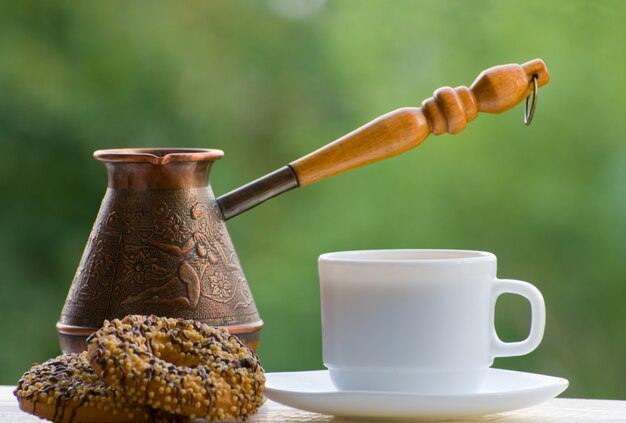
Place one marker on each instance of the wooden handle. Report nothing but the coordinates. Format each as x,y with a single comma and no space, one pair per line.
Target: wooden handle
494,91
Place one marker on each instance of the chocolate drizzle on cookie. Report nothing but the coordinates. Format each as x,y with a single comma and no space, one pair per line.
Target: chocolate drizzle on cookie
147,369
178,366
60,387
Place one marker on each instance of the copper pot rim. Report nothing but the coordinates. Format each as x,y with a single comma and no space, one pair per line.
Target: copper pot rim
158,156
86,330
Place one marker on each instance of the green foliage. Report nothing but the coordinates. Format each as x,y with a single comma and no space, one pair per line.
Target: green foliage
549,200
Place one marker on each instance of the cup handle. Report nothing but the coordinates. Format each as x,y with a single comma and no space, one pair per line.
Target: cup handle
537,318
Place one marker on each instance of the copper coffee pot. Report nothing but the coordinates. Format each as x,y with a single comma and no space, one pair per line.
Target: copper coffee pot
160,245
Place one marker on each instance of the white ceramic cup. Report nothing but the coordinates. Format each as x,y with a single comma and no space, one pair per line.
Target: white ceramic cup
416,320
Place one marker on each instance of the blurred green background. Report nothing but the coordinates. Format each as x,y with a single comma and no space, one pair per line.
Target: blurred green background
270,81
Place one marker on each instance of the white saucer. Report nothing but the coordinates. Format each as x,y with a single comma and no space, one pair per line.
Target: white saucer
503,390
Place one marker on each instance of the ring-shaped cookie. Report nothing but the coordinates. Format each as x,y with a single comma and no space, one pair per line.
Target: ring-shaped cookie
66,390
179,366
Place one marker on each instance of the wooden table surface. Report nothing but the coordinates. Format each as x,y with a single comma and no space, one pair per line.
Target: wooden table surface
558,410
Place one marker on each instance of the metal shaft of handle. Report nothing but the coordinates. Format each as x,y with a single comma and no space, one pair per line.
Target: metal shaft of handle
256,192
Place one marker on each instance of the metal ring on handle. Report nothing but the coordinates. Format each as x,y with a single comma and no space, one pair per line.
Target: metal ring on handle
528,115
